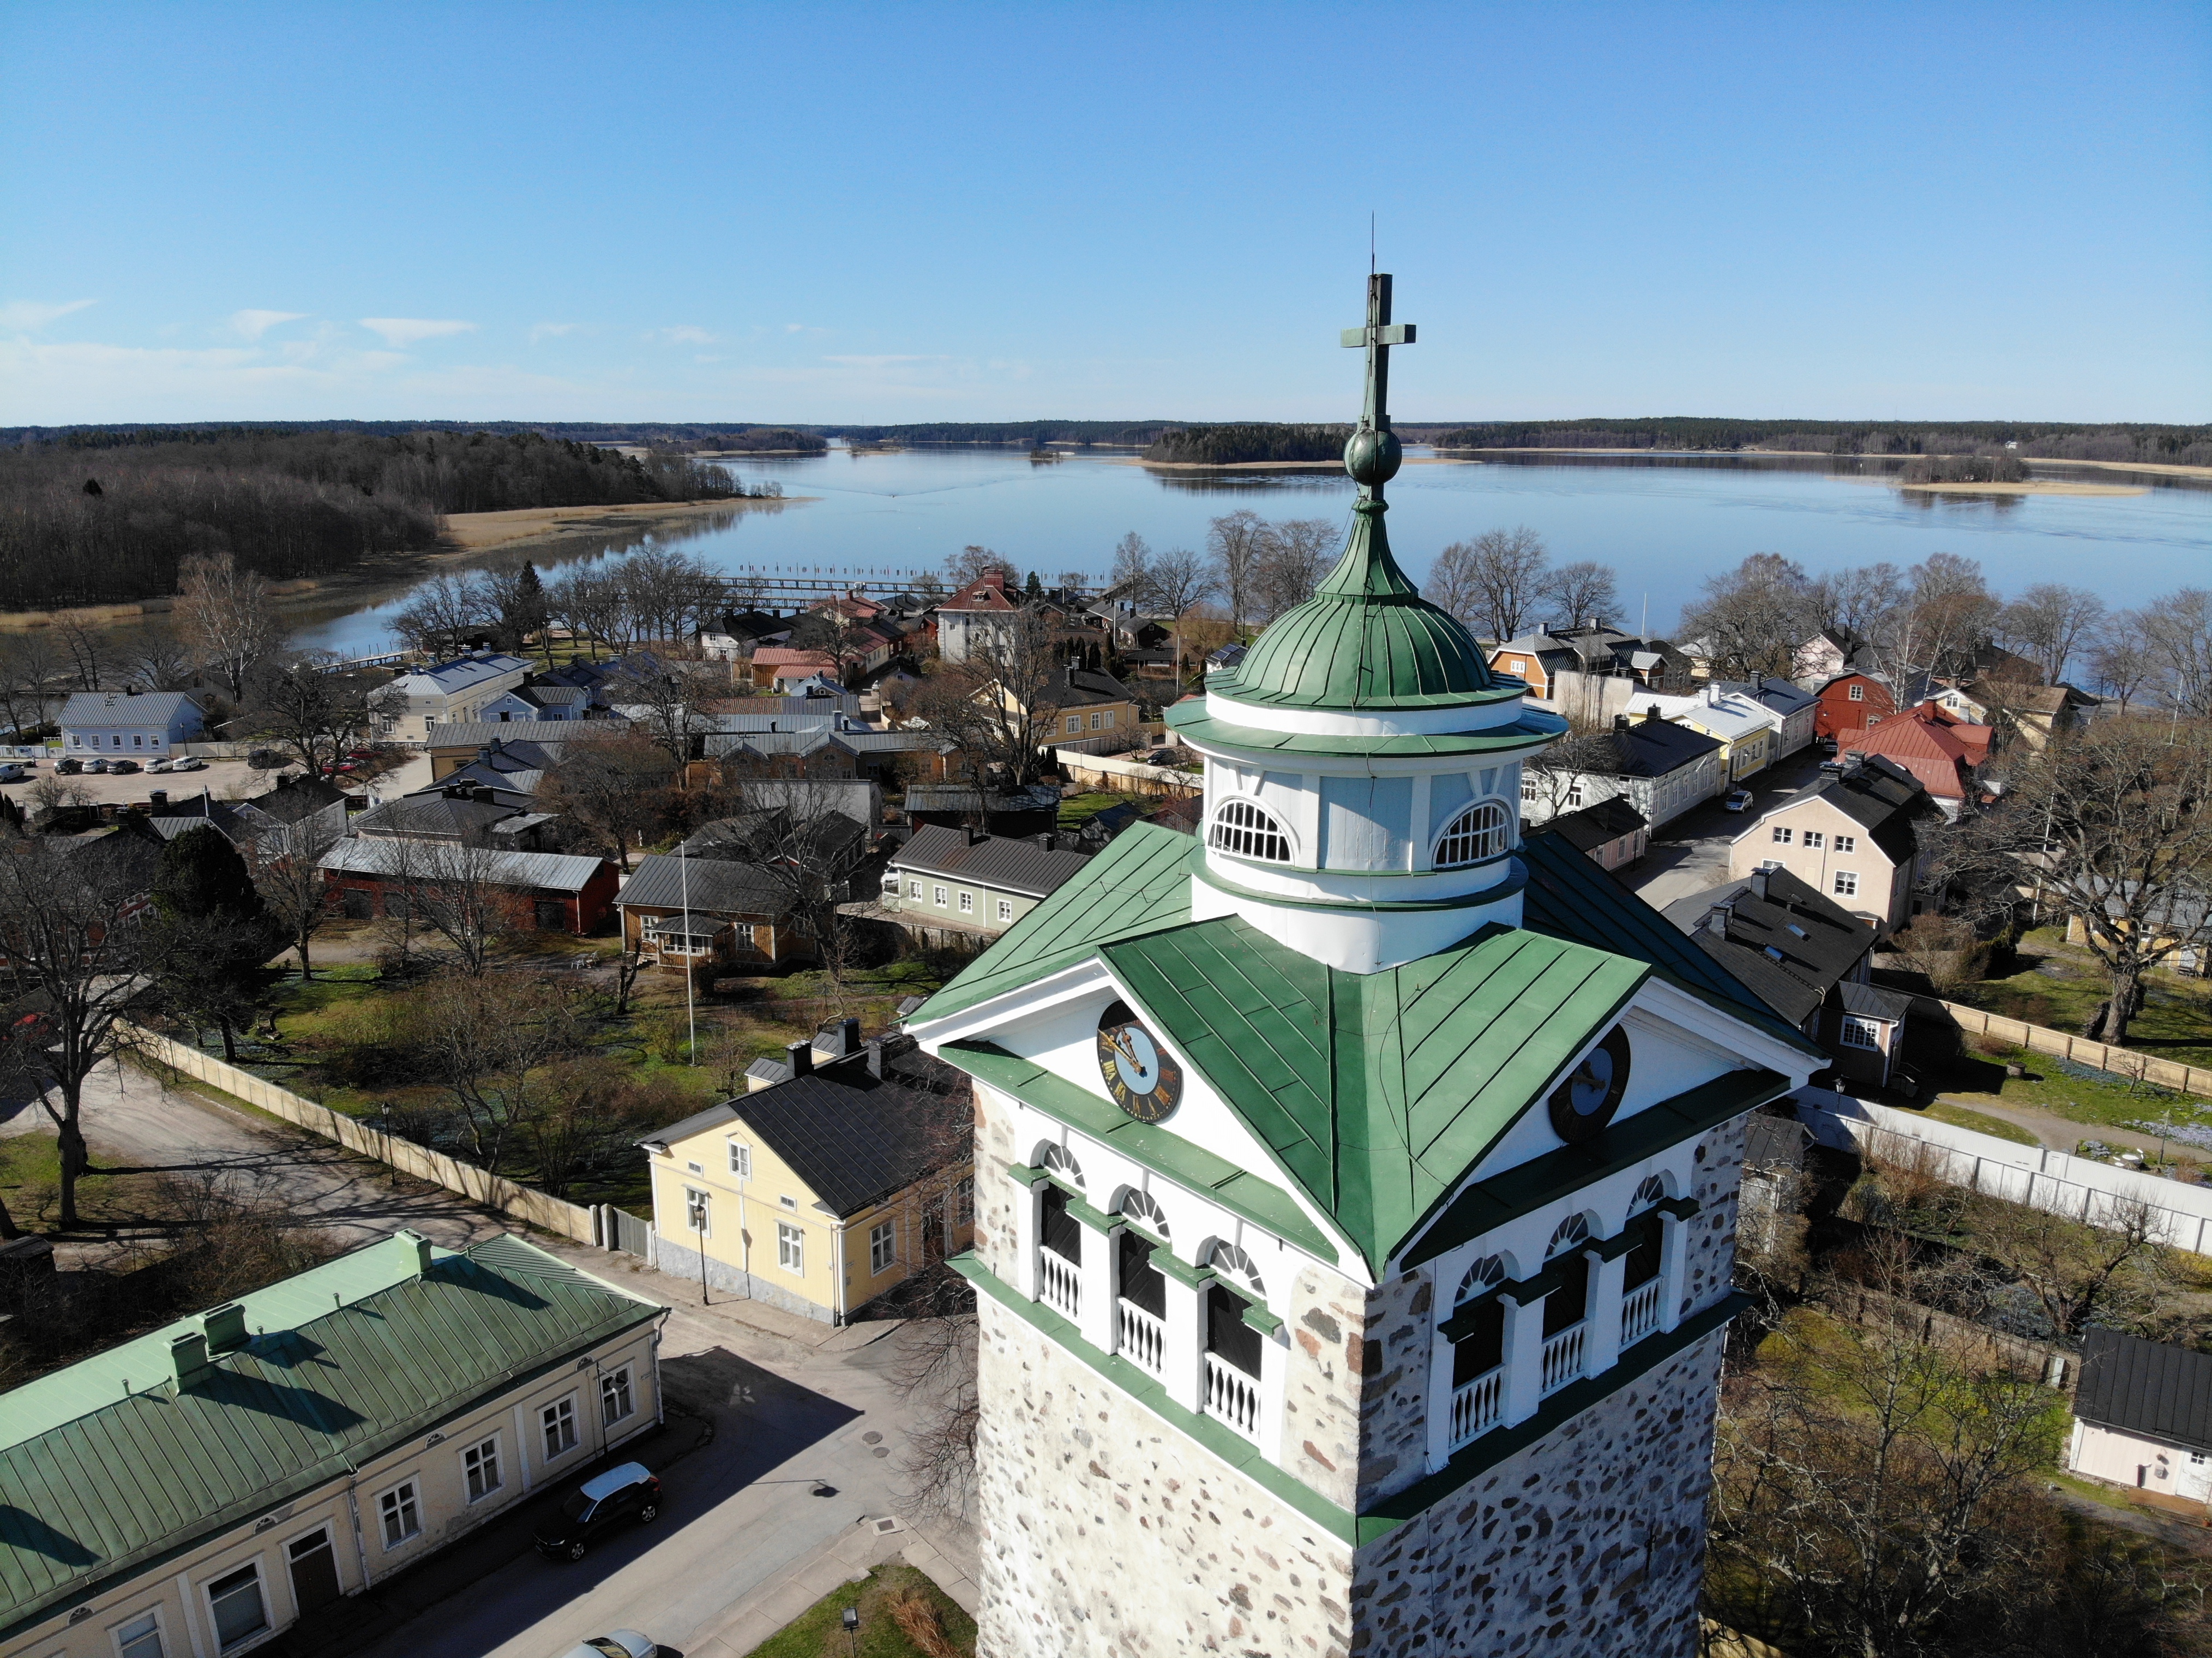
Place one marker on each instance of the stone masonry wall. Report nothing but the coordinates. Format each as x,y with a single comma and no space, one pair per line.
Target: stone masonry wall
1709,1251
1107,1534
1589,1544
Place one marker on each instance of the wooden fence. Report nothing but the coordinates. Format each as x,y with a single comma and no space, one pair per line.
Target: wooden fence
491,1191
1106,771
2037,1039
2055,1367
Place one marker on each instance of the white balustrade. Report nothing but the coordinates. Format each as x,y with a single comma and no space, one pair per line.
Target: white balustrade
1141,1338
1477,1406
1232,1396
1563,1356
1639,1312
1059,1283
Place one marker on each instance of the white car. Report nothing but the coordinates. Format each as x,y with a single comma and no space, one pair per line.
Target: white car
187,762
619,1644
153,766
1738,800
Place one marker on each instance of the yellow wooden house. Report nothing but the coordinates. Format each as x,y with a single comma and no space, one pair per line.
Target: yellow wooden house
818,1193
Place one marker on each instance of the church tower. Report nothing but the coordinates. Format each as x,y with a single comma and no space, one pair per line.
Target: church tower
1355,1185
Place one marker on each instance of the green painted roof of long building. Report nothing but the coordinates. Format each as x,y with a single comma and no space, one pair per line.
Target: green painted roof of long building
126,1478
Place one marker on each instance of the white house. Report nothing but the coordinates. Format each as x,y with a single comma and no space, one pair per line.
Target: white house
2143,1416
1739,725
133,723
1789,709
447,693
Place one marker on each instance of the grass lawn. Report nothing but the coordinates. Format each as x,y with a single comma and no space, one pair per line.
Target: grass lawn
2095,1097
2059,986
31,1184
1076,809
1958,1117
817,1632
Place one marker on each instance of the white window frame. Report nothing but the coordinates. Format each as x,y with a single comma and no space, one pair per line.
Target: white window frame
939,897
699,1212
1815,840
913,888
1482,832
617,1385
1227,831
400,1501
1859,1033
1527,789
1074,724
1005,909
260,1590
1575,795
1846,843
1846,884
791,1248
883,1247
480,1470
151,1618
741,1160
966,901
556,1422
1782,835
1855,693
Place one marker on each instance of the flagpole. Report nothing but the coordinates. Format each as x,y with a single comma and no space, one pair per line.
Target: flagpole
690,1013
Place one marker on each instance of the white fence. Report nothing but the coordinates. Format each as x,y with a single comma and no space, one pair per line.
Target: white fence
1108,771
2054,1181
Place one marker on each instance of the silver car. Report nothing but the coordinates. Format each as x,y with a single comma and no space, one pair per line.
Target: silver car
617,1643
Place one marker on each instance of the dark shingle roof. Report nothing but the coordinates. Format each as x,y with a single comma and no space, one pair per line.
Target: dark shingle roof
2146,1387
1653,748
1598,825
303,797
1813,941
719,886
1885,798
1009,865
1873,1001
854,1137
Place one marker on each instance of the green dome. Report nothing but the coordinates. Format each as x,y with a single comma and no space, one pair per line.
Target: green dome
1366,639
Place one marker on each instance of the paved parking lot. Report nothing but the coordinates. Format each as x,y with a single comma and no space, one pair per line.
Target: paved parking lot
227,779
1691,853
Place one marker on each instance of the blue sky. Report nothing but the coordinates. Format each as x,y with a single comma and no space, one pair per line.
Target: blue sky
919,212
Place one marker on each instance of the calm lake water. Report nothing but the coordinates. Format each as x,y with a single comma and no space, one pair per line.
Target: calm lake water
1663,523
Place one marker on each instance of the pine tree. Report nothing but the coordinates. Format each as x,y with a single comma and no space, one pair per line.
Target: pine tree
219,933
1032,589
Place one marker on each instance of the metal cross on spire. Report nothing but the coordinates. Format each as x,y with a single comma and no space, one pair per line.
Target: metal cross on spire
1372,455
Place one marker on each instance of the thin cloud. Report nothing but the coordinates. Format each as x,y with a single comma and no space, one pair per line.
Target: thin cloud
252,324
399,332
882,363
29,316
683,334
552,331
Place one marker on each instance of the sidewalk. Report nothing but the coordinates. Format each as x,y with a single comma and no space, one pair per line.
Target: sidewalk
941,1551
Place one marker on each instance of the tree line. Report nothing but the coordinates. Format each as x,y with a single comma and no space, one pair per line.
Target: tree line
86,523
1229,445
2183,445
1028,433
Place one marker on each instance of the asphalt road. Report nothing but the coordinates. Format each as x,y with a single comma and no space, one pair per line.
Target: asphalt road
1691,853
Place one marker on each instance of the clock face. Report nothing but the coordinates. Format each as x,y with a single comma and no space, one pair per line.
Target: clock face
1585,1102
1143,1080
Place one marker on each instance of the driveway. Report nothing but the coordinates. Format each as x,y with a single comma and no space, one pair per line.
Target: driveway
1691,853
226,779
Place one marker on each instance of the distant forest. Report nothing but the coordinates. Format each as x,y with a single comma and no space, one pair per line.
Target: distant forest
1028,433
98,517
765,438
1227,445
2172,445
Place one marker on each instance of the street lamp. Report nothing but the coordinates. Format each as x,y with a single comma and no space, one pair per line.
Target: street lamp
851,1618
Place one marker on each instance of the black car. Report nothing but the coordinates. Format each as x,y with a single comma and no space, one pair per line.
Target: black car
627,1493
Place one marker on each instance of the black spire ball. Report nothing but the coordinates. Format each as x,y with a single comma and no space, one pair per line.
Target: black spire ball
1373,458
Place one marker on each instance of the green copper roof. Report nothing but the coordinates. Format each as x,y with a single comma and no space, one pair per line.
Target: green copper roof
1193,719
1366,639
129,1479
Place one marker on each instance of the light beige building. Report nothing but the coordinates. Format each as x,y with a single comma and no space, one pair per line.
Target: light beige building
448,694
1853,843
196,1491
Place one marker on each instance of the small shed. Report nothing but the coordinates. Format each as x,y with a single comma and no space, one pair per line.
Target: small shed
1612,834
2143,1416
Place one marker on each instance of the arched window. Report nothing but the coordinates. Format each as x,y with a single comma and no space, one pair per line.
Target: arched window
1574,1230
1478,833
1059,1160
1140,1207
1233,1264
1490,1270
1248,830
1651,1193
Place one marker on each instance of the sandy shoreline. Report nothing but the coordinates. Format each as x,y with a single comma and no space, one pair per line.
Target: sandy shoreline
478,532
2159,468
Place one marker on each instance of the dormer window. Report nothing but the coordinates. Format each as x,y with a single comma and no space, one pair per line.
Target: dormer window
1476,833
1246,829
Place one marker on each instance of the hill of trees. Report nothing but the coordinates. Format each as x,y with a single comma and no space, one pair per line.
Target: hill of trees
1028,433
2175,446
1226,446
763,438
102,516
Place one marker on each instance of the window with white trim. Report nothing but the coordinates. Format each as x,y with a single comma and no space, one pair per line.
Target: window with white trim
1575,795
1527,789
558,1423
913,888
936,895
1847,843
698,1211
1097,722
1847,883
1855,692
1074,724
480,1468
741,1160
1145,1209
1861,1033
967,902
1005,909
1782,836
883,1247
790,1247
1246,829
235,1606
1479,832
141,1636
1815,839
400,1511
615,1404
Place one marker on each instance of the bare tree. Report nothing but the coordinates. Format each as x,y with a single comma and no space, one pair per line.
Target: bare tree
1000,707
28,679
972,563
1861,603
72,915
1178,580
667,594
293,884
491,1040
1132,568
88,650
1492,583
2049,623
1947,616
1582,591
441,616
225,617
1753,618
1569,775
2122,659
455,891
2109,824
308,708
1235,541
661,693
155,660
614,792
2177,628
1295,555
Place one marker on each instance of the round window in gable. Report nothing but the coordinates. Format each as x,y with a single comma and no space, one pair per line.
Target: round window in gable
1585,1102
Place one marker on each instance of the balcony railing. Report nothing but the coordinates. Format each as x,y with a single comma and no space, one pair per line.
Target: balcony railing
1563,1356
1231,1396
1141,1338
1059,1283
1477,1406
1639,1312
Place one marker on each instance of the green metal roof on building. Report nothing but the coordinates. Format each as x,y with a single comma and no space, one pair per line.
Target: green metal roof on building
97,1481
1140,882
1195,720
1366,639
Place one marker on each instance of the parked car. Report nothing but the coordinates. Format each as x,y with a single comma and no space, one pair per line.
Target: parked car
1835,766
122,767
615,1643
1160,757
12,771
264,759
188,763
155,768
95,767
1738,800
627,1493
68,766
